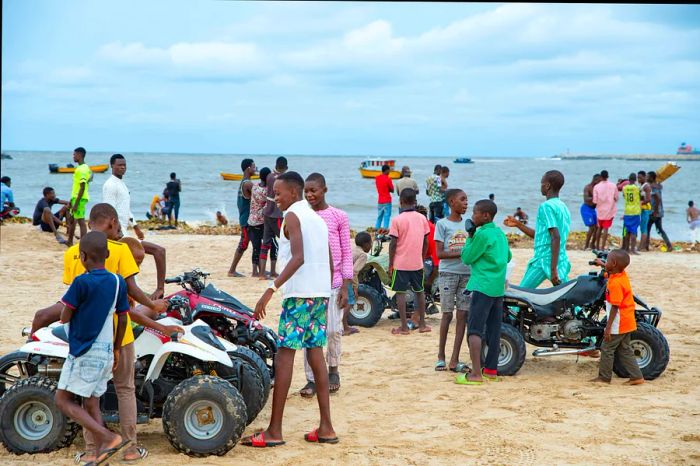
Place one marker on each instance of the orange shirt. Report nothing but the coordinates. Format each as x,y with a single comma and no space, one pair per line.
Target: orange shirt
619,293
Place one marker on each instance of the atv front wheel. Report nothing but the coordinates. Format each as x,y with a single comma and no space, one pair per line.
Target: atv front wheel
204,415
250,356
651,350
512,354
248,381
368,307
30,422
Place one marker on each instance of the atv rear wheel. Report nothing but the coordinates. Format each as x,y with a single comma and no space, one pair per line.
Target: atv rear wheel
248,355
204,415
30,422
368,307
512,354
248,381
651,349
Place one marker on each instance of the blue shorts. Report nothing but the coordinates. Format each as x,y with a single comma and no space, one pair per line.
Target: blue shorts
303,323
644,223
631,223
588,215
351,295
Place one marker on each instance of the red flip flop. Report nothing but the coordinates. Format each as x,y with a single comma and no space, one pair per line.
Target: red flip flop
258,441
313,437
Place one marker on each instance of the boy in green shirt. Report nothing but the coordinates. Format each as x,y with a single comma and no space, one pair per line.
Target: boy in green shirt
82,176
487,252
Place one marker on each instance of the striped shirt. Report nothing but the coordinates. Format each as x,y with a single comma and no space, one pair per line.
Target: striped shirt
552,213
339,243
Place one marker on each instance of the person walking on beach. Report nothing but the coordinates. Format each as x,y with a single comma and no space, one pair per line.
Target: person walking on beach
657,211
44,218
692,214
450,238
645,194
273,220
341,256
433,185
174,187
384,187
605,196
588,212
406,181
305,283
552,225
256,219
245,190
80,195
487,252
633,212
408,246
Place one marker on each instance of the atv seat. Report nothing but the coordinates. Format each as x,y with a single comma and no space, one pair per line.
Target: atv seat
60,333
541,296
215,294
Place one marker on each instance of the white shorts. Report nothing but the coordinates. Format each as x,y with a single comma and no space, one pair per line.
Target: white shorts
87,375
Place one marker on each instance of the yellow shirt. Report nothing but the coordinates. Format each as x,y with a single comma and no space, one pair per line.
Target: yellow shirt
120,261
154,202
81,175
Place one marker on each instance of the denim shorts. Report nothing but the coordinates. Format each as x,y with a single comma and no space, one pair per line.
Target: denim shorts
351,295
452,291
87,375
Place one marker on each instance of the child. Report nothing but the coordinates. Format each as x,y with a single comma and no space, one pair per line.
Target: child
431,261
621,321
305,282
487,251
407,248
341,254
88,306
450,237
221,220
363,244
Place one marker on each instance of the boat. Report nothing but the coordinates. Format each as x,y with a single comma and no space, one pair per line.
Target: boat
372,168
687,149
70,168
463,160
5,156
236,176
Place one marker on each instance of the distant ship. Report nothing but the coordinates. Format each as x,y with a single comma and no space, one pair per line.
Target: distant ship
687,149
463,160
4,156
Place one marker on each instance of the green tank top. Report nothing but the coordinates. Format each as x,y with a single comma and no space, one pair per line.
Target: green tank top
633,204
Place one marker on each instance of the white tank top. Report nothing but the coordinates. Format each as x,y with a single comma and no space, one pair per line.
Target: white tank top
313,278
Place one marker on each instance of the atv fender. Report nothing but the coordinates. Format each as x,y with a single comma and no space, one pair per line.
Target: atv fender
56,349
176,347
383,275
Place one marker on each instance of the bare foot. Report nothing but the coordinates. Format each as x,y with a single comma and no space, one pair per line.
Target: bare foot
400,331
599,380
424,329
350,331
634,382
235,274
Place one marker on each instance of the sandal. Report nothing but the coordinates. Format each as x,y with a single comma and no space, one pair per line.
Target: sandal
143,453
333,379
440,366
258,441
313,437
108,453
309,390
461,367
351,331
462,379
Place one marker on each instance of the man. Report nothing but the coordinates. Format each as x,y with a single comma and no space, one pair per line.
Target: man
116,194
657,211
645,194
384,187
521,216
588,214
80,195
174,187
7,199
245,190
551,231
272,222
434,191
44,218
693,216
633,211
492,197
605,196
406,181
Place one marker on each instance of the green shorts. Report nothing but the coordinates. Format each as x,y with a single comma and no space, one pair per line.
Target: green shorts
80,209
303,323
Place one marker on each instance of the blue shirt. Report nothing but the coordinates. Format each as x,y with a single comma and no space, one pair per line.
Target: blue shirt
5,195
92,298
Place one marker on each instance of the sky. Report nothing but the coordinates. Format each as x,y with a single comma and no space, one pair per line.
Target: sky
389,79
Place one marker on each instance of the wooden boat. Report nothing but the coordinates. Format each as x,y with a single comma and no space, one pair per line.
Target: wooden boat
236,176
667,171
463,160
54,168
372,168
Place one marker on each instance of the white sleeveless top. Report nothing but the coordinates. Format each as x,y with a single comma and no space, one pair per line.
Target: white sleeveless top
313,278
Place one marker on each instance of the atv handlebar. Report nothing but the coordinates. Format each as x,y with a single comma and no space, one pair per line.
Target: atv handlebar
195,279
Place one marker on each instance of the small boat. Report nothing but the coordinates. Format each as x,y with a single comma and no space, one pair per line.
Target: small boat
372,168
667,171
463,160
70,168
5,156
237,176
687,149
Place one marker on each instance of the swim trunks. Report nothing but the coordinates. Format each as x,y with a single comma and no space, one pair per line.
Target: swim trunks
631,223
588,215
303,323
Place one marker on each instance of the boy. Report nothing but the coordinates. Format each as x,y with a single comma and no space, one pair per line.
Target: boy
520,215
550,233
384,187
487,251
82,176
245,191
305,282
88,306
645,194
44,218
434,191
633,212
621,321
407,248
341,254
450,237
363,244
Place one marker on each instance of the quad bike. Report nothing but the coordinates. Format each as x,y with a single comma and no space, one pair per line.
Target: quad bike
570,319
230,319
194,382
374,282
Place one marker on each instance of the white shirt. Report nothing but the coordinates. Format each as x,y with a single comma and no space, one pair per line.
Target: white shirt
115,193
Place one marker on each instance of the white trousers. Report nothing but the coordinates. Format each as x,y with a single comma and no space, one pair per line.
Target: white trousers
334,333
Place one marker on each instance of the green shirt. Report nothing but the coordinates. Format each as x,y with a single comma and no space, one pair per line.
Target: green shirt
488,254
552,213
633,204
81,175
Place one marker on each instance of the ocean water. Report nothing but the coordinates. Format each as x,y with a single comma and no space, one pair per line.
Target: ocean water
514,181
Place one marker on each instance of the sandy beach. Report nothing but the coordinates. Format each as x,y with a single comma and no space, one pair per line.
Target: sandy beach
393,408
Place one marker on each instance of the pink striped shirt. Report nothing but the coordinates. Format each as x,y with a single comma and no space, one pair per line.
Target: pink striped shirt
339,243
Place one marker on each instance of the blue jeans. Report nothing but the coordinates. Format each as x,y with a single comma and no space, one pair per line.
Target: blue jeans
383,215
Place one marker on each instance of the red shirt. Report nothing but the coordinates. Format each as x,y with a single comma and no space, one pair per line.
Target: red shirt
432,249
384,185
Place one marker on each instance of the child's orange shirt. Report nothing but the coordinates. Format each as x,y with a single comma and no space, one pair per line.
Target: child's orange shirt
619,293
